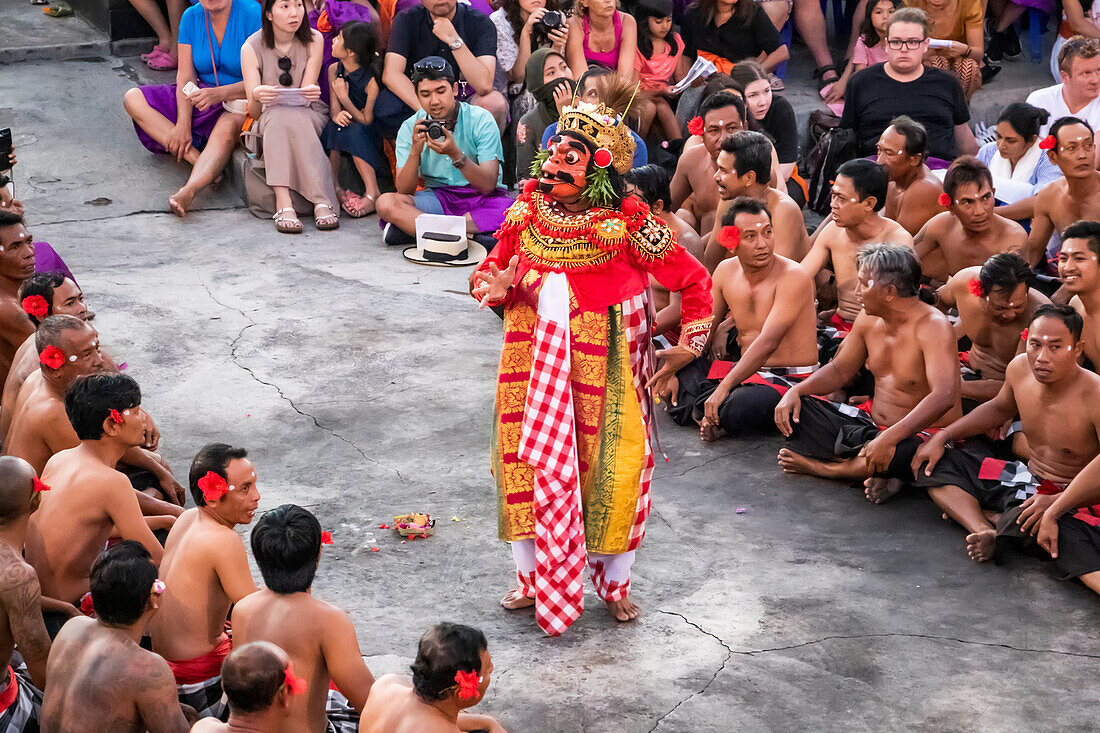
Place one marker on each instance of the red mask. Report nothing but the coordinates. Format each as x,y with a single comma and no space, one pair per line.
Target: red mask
565,173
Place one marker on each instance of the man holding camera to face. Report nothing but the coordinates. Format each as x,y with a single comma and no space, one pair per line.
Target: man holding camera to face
455,148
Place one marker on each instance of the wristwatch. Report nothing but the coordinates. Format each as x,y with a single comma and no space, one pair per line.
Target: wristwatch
455,44
461,162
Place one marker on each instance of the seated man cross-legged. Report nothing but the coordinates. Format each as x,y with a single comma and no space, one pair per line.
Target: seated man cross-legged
910,350
459,160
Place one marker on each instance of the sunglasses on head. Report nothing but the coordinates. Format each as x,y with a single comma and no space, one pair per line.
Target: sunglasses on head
427,65
284,65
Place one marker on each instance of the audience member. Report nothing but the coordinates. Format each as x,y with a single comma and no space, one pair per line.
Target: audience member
870,47
89,500
770,300
659,63
616,92
601,35
451,673
90,657
281,63
969,232
206,570
773,113
1004,42
258,679
1079,18
521,30
328,18
909,348
1060,415
855,220
16,265
1077,95
914,193
318,637
995,303
904,86
550,81
727,31
163,55
744,169
464,37
1015,154
354,82
1072,198
20,602
1079,272
201,127
961,24
459,160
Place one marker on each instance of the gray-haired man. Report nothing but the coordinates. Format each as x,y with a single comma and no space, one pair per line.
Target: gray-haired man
909,348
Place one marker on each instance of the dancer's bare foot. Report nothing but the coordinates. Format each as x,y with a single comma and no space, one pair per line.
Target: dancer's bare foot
879,490
180,201
980,545
516,599
709,433
624,610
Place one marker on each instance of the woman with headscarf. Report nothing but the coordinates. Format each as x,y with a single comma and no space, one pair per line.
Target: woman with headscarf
551,83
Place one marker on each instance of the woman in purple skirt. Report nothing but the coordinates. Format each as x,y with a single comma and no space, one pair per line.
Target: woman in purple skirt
201,127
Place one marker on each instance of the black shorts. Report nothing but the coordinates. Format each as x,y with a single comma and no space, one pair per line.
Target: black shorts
749,408
960,466
1078,543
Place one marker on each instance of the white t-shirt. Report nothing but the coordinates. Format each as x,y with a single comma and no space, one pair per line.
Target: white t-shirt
1052,101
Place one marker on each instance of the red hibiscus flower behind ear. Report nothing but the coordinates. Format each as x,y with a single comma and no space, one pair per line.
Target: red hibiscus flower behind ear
468,683
116,416
1048,143
729,237
52,357
36,305
1023,335
294,683
944,200
695,127
39,485
974,285
212,486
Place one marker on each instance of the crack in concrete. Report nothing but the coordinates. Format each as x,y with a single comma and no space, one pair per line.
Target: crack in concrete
840,637
237,361
139,212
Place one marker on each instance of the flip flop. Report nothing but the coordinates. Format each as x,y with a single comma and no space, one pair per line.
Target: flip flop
156,48
63,10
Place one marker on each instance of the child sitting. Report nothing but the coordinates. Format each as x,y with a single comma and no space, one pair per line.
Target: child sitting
658,62
870,49
354,85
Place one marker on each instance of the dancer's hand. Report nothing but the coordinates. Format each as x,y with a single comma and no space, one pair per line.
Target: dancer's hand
496,282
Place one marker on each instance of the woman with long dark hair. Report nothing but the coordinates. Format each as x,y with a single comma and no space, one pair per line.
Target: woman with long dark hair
520,31
727,31
281,64
1015,154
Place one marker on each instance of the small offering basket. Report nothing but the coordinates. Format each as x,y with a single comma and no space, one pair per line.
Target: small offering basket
415,524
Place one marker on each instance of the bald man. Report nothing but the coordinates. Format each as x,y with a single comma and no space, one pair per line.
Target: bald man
20,601
254,677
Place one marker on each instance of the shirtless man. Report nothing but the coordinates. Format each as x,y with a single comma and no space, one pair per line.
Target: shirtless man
1076,197
969,232
432,701
1079,270
909,348
98,678
771,302
744,167
995,303
319,637
60,296
40,427
855,219
255,680
913,196
206,570
20,600
694,193
16,265
89,501
1059,407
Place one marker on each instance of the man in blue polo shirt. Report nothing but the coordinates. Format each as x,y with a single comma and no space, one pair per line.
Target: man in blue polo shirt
461,35
459,160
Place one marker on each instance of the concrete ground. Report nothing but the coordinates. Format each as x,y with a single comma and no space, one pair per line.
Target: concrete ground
362,384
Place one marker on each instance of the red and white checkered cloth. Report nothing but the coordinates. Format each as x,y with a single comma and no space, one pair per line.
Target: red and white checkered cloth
548,443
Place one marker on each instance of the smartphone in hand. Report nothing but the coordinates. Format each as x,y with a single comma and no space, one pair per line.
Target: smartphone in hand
189,88
5,148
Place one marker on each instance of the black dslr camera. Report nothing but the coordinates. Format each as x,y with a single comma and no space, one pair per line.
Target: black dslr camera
435,129
551,20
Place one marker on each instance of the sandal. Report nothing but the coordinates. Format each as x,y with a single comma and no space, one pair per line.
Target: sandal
353,204
326,223
776,83
821,71
160,60
285,224
157,48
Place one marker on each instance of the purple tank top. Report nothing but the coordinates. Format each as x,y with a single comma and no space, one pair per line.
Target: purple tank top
610,59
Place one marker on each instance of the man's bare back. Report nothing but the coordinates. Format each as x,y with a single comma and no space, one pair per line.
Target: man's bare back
21,614
39,427
944,246
1056,208
100,680
915,204
393,707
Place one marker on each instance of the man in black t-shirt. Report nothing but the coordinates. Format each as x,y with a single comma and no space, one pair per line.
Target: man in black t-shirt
461,35
903,86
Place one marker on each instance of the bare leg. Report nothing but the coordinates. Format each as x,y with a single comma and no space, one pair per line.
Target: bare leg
175,10
646,110
857,20
1091,581
398,209
334,161
778,12
810,22
370,182
851,468
625,609
211,162
667,119
149,10
156,125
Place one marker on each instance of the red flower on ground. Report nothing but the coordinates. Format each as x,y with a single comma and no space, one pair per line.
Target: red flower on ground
36,305
326,537
52,357
213,486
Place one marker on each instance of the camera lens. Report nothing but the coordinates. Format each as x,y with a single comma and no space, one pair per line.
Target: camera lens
435,129
551,19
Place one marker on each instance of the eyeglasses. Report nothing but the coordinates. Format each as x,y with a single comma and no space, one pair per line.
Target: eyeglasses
284,65
896,44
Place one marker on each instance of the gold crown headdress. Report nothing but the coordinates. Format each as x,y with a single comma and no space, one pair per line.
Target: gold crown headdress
599,125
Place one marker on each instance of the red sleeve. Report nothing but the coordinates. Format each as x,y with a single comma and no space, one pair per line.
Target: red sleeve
507,245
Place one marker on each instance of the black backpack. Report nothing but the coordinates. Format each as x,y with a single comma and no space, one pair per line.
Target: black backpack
829,146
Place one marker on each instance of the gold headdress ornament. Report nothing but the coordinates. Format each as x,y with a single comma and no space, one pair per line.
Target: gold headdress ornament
599,125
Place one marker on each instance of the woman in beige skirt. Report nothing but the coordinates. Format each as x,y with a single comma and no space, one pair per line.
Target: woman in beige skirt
280,65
